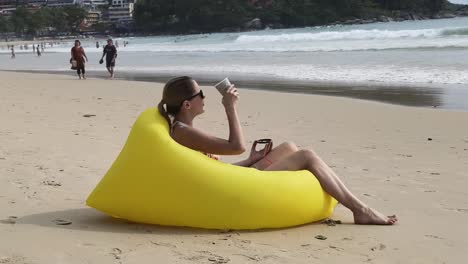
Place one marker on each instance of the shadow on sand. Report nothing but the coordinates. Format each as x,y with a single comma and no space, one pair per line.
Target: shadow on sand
88,219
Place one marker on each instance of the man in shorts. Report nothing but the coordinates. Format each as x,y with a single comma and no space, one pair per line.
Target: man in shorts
111,54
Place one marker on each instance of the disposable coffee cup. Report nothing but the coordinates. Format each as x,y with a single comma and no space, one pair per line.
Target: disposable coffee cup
223,85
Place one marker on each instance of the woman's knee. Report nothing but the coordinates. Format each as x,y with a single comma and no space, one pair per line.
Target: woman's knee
308,156
289,146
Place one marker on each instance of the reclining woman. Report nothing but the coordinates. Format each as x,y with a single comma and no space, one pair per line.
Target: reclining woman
183,100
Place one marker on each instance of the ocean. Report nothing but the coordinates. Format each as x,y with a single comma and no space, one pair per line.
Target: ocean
417,63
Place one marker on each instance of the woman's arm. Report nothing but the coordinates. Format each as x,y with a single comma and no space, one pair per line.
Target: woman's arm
254,157
201,141
84,55
198,140
103,52
236,135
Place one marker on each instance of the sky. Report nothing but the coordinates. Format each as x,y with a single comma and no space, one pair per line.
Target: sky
465,2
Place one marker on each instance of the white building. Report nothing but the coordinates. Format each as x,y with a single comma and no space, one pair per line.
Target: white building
58,3
92,17
121,10
94,4
7,4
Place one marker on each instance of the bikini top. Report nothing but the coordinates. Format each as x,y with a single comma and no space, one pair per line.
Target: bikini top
183,125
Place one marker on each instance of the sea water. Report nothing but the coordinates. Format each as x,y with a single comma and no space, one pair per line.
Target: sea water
397,55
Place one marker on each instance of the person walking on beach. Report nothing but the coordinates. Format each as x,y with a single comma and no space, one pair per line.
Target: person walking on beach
38,51
111,54
13,55
183,100
78,54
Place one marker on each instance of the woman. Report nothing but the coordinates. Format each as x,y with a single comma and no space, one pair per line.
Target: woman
78,54
183,100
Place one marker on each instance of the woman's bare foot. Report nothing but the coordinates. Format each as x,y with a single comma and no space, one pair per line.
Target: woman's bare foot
369,216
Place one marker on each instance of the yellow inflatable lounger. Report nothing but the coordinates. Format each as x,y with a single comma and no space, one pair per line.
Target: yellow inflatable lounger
155,180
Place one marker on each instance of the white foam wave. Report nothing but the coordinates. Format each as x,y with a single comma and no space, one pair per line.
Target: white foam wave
357,34
292,41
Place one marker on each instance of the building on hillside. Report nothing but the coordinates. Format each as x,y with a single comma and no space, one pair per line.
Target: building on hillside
4,4
95,4
58,3
33,2
92,17
121,11
7,11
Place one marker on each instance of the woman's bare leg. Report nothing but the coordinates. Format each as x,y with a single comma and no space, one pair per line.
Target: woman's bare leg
277,153
309,160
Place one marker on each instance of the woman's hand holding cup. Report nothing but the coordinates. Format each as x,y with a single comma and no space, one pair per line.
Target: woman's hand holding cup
230,97
228,91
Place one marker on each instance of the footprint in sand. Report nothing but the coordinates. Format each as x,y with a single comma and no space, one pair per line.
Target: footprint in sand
254,258
169,245
12,260
10,220
213,258
379,247
59,221
116,252
218,259
51,183
460,210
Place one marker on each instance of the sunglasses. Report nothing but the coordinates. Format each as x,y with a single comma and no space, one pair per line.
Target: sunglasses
193,96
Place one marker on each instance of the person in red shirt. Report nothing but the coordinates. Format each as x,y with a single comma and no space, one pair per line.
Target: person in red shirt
78,55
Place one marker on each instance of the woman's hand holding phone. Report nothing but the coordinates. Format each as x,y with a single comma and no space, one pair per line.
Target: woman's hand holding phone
256,155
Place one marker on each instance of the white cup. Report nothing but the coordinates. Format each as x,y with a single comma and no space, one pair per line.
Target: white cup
223,85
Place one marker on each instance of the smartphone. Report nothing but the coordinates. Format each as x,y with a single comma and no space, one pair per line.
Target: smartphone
267,142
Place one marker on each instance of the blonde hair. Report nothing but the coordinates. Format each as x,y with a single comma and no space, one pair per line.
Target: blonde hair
174,93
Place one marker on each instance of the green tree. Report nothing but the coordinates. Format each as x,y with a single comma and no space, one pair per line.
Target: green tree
19,19
36,22
153,15
57,16
74,16
212,15
5,25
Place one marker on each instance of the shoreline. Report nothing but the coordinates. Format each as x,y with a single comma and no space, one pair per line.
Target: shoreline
450,97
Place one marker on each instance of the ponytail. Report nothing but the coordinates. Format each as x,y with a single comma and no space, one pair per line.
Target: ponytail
163,112
175,91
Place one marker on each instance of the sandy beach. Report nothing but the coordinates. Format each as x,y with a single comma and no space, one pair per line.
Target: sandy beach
60,135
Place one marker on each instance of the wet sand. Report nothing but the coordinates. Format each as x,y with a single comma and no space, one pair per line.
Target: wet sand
428,96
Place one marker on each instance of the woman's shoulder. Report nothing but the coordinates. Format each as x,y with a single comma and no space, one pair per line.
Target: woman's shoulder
178,124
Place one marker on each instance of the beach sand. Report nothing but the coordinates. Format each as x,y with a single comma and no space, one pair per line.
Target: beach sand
409,161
